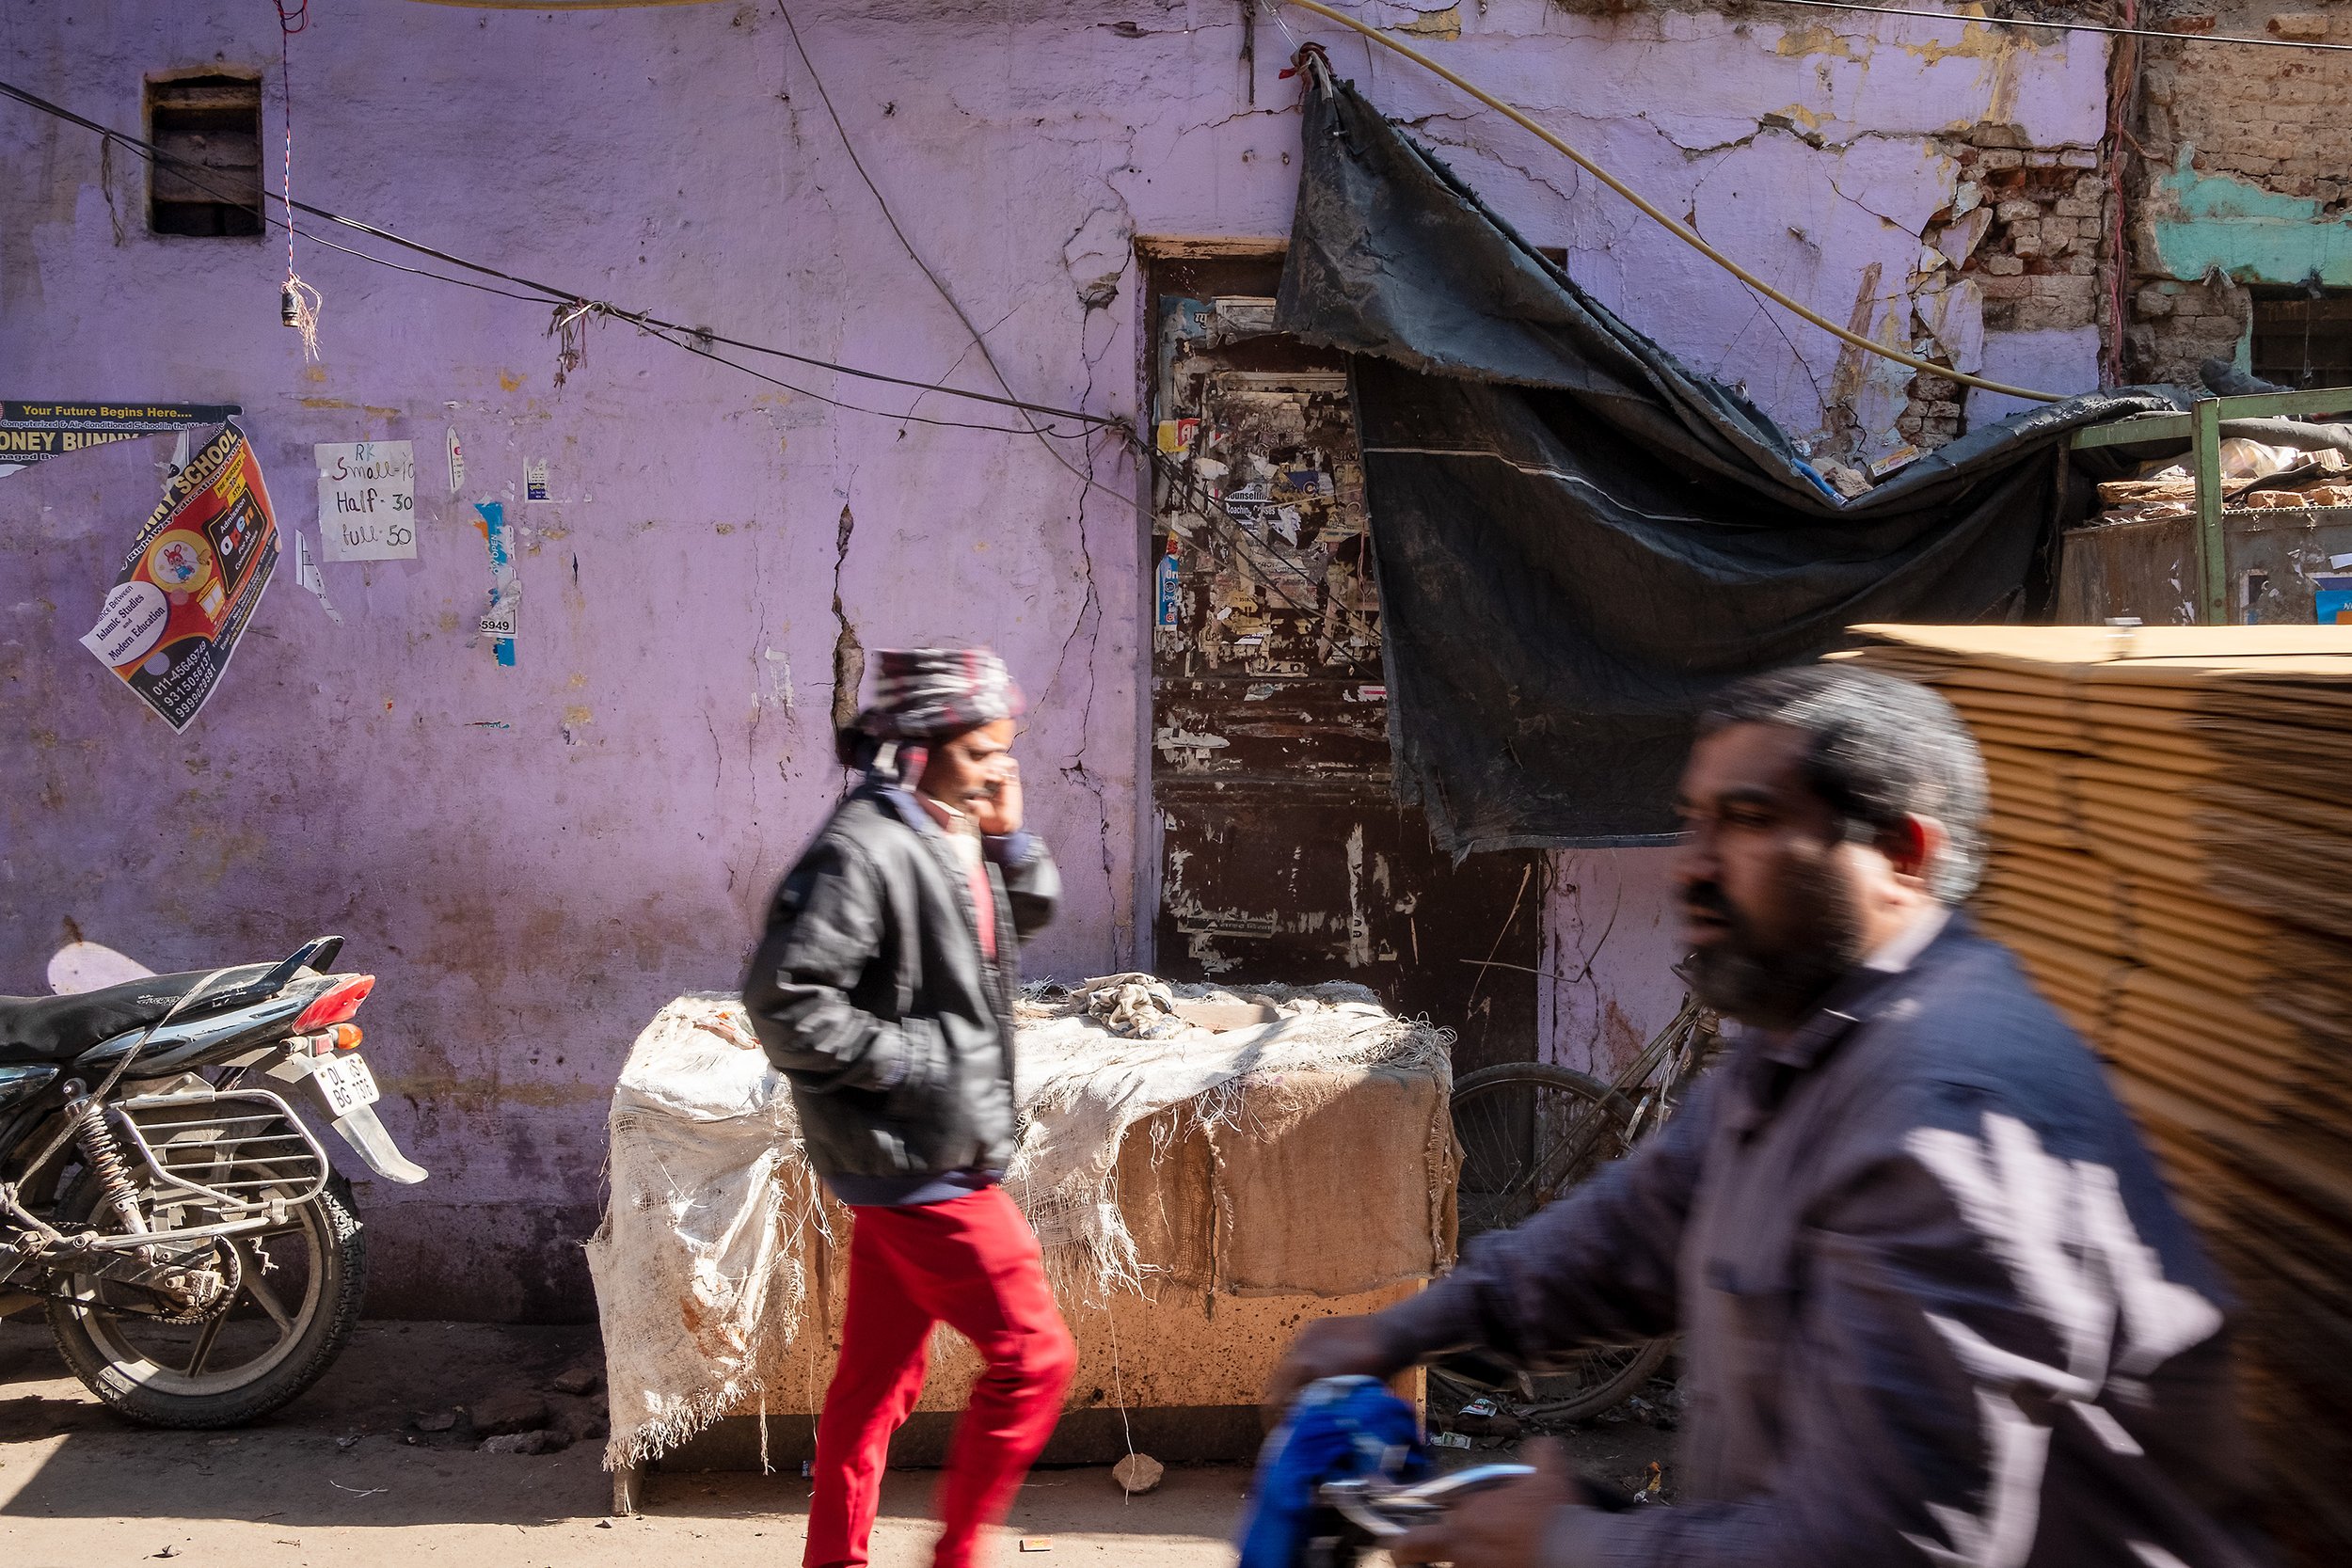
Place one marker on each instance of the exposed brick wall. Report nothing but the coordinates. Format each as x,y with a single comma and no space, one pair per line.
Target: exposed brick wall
2040,260
2276,115
2027,229
2277,118
2176,326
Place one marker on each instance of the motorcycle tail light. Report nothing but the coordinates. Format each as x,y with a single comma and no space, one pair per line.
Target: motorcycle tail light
340,1001
347,1036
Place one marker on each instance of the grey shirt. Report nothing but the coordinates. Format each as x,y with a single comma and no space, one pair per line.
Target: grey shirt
1936,1307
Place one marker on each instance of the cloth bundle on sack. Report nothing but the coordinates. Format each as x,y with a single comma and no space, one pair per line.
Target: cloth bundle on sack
706,1263
1578,538
1136,1007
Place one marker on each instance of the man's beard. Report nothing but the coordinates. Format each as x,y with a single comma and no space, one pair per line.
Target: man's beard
1775,988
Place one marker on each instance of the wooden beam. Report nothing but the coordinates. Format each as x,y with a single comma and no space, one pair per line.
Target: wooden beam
1195,247
2206,447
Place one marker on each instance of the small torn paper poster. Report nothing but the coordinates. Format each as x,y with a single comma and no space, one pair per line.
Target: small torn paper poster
367,501
36,432
535,481
456,463
306,574
190,581
506,590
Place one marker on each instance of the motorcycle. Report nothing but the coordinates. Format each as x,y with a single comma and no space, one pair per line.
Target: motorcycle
163,1195
1357,1514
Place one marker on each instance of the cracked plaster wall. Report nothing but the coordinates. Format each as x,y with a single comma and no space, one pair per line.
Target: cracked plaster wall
1828,156
532,859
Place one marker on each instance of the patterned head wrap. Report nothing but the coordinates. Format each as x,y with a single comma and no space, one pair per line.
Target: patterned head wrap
923,693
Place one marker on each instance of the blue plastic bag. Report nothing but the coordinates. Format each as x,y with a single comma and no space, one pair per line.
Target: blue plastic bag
1339,1429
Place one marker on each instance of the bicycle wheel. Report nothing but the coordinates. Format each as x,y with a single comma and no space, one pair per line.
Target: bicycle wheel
1529,1133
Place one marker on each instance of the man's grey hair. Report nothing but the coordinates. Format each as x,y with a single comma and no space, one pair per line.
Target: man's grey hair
1882,749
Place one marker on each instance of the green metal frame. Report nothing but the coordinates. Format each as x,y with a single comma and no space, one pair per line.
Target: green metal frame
2200,427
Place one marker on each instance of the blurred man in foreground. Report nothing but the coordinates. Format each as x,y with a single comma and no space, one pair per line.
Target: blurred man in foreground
1936,1308
883,991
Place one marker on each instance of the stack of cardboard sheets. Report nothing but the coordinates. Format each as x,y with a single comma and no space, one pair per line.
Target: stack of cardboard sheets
2171,859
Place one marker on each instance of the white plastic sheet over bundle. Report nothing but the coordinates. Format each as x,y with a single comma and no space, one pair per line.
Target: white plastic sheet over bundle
702,1265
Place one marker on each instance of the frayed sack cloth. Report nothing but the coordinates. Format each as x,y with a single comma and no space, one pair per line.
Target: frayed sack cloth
1082,1088
704,1263
705,1246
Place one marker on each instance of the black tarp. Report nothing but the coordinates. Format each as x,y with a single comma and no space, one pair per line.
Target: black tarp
1578,538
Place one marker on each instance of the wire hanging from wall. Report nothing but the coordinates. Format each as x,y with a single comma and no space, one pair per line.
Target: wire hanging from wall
298,302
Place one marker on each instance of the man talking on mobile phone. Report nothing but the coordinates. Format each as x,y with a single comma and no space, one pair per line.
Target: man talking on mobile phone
883,991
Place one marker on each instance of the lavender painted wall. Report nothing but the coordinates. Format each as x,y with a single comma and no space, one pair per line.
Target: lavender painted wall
1611,943
534,857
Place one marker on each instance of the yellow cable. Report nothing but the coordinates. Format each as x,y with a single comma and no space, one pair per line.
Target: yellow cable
1678,230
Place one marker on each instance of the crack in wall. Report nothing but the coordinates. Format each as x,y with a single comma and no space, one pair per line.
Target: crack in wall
1090,617
848,654
1837,190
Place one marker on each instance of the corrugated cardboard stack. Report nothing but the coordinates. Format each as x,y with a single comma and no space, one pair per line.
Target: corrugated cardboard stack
2172,858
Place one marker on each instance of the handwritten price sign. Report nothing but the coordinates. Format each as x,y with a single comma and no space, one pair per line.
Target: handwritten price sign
368,500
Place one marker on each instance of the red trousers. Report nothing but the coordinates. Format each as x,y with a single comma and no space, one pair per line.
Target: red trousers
973,1264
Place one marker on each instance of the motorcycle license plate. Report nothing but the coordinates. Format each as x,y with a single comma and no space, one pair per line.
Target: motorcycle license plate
346,1082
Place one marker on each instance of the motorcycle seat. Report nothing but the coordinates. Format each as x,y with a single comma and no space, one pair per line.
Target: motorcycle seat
59,1028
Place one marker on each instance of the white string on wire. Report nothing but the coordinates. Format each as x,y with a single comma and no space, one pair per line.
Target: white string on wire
299,303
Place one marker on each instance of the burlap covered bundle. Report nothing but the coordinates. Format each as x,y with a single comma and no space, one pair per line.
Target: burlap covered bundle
703,1262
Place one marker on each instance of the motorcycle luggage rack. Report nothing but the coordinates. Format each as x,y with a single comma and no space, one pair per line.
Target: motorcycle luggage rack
254,1158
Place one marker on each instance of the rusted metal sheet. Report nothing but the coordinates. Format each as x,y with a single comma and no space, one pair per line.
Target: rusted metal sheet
2147,570
1283,854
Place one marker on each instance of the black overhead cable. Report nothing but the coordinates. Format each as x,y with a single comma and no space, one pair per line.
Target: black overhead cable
553,296
2072,26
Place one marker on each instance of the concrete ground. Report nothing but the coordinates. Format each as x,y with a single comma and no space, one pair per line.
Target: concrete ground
345,1477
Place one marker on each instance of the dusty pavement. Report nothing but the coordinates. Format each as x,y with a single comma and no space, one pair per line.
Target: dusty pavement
345,1477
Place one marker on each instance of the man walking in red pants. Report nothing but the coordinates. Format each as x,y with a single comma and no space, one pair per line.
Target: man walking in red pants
883,991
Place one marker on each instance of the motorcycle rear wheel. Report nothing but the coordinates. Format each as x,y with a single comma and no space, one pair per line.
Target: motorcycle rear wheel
288,1331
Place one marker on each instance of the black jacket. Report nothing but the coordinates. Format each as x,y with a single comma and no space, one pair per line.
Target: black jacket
871,996
1936,1307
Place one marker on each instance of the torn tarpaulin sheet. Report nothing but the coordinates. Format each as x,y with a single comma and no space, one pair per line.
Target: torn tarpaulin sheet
1578,538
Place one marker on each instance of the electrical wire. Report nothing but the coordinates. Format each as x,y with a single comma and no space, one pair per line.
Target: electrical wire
909,418
185,171
550,295
550,6
980,339
1674,226
2126,32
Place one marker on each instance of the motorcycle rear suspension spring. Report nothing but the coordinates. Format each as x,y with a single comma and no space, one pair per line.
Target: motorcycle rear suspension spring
103,1156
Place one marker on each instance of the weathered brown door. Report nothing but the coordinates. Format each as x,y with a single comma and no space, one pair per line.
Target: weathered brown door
1284,854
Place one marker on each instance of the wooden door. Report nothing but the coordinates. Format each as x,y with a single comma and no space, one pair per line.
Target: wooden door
1283,854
